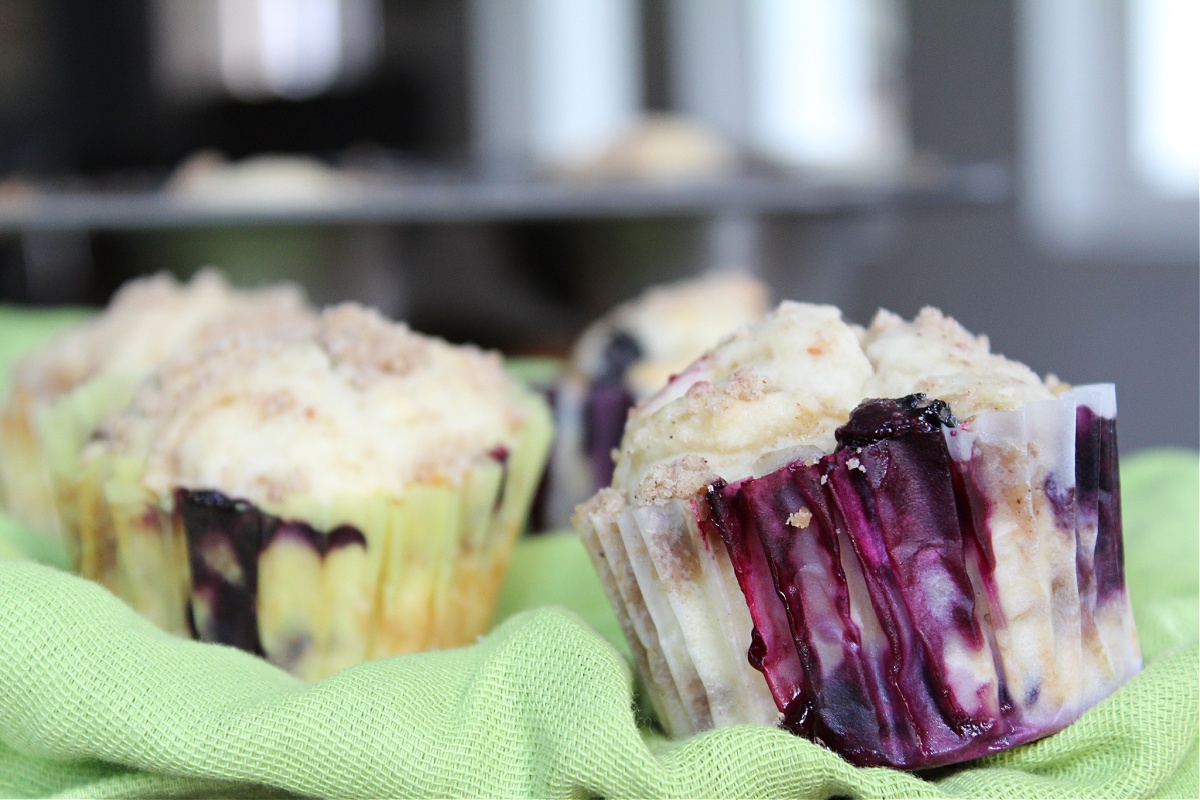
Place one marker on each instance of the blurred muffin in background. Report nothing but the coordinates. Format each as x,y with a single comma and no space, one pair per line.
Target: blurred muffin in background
625,356
209,178
660,148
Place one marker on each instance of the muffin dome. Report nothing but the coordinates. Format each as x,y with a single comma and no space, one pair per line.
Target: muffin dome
361,406
151,319
782,388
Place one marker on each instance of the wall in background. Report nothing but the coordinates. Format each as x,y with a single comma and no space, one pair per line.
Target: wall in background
1132,321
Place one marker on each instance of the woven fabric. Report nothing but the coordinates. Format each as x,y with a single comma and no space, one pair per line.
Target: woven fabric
96,702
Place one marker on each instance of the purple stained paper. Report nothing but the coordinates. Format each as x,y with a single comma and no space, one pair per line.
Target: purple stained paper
870,577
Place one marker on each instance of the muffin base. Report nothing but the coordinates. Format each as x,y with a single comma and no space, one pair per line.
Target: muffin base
908,602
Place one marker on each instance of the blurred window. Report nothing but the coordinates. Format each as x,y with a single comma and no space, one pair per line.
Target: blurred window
809,83
264,49
818,90
553,81
1108,137
1164,84
282,48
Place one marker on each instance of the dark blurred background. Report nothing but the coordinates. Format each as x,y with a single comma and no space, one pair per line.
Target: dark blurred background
503,170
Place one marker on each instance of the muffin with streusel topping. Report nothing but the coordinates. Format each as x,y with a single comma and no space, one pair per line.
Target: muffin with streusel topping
59,391
328,499
889,540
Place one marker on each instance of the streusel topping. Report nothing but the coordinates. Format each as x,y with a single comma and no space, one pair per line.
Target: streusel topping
152,319
778,390
361,406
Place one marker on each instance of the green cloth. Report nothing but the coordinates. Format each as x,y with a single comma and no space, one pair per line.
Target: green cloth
96,702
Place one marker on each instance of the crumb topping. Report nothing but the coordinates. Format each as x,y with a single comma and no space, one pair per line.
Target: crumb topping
364,341
153,319
359,406
769,389
787,382
745,384
606,502
936,355
677,479
800,518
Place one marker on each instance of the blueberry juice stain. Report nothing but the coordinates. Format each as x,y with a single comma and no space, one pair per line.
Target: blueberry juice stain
225,539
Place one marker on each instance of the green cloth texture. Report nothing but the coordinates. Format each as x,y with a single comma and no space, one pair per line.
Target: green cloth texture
96,702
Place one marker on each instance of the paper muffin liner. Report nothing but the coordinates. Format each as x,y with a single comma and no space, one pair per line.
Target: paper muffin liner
26,492
915,599
31,438
588,422
62,431
315,586
678,601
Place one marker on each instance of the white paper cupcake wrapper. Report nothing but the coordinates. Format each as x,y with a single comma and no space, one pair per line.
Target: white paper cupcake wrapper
1047,631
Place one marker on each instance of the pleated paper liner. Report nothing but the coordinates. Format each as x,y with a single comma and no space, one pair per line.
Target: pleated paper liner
315,586
26,488
910,601
589,420
62,432
661,573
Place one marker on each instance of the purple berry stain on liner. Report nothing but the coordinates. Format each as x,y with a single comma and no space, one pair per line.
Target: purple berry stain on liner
901,516
1110,557
1087,500
607,405
538,511
217,527
890,524
225,538
500,454
770,651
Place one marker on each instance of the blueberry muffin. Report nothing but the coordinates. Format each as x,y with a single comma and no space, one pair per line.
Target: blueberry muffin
320,500
889,540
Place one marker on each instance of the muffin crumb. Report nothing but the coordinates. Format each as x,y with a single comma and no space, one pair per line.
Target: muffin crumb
361,338
674,479
606,501
745,384
800,518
